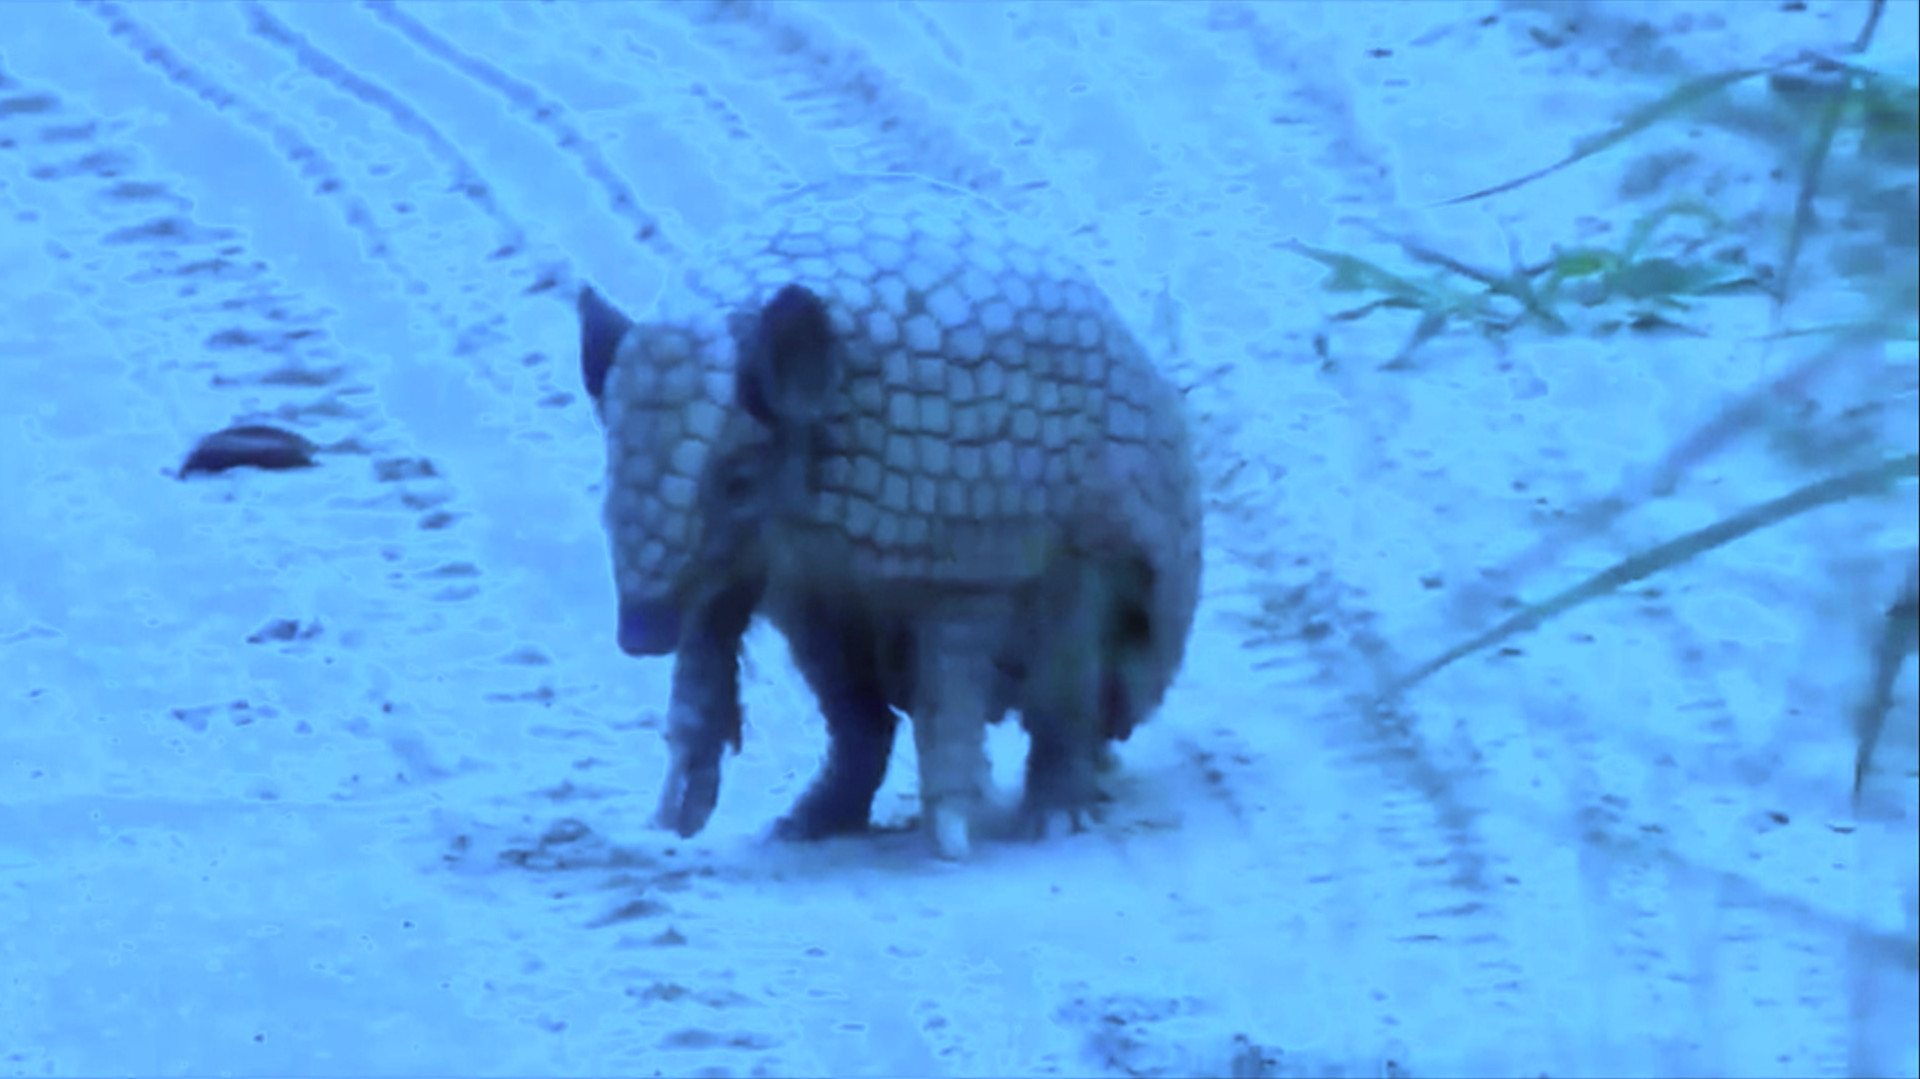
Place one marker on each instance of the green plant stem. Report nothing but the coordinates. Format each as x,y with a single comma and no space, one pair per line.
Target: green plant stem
1816,163
1899,638
1834,489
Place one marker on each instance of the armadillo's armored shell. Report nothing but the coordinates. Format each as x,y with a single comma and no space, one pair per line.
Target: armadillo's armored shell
1144,501
991,405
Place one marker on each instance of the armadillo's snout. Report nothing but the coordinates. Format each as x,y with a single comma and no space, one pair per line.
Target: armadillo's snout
649,628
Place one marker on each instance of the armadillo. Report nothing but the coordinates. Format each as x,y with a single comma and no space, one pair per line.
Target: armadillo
1069,633
985,420
1068,645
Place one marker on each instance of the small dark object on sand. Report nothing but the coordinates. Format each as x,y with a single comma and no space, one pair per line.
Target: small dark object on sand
253,444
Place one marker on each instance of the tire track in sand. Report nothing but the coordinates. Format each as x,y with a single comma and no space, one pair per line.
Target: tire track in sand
323,174
211,313
209,329
541,110
836,88
831,88
296,100
830,101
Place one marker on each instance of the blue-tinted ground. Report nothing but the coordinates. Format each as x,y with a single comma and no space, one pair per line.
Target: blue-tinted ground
339,771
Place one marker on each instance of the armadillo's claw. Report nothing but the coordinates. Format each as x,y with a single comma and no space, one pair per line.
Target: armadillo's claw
825,810
692,786
687,798
1030,823
1061,786
1034,821
952,832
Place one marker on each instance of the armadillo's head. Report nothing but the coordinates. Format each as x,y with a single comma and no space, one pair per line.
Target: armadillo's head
675,512
708,431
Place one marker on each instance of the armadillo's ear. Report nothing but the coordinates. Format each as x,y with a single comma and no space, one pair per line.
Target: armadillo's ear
789,360
601,328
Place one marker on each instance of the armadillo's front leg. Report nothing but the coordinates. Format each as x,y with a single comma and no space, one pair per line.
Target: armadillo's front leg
954,696
703,711
839,656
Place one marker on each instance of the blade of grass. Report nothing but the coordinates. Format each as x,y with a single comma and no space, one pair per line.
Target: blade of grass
1644,228
1899,638
1358,313
1516,284
1669,279
1834,489
1576,264
1738,416
1354,274
1678,100
1432,324
1865,39
1810,171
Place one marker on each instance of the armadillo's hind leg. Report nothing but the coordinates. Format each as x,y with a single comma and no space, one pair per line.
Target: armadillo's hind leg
1081,690
953,701
838,657
1063,719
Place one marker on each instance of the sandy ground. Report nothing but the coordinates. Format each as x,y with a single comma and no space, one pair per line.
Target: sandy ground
339,772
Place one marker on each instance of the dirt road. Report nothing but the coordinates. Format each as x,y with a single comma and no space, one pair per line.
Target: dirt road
340,772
